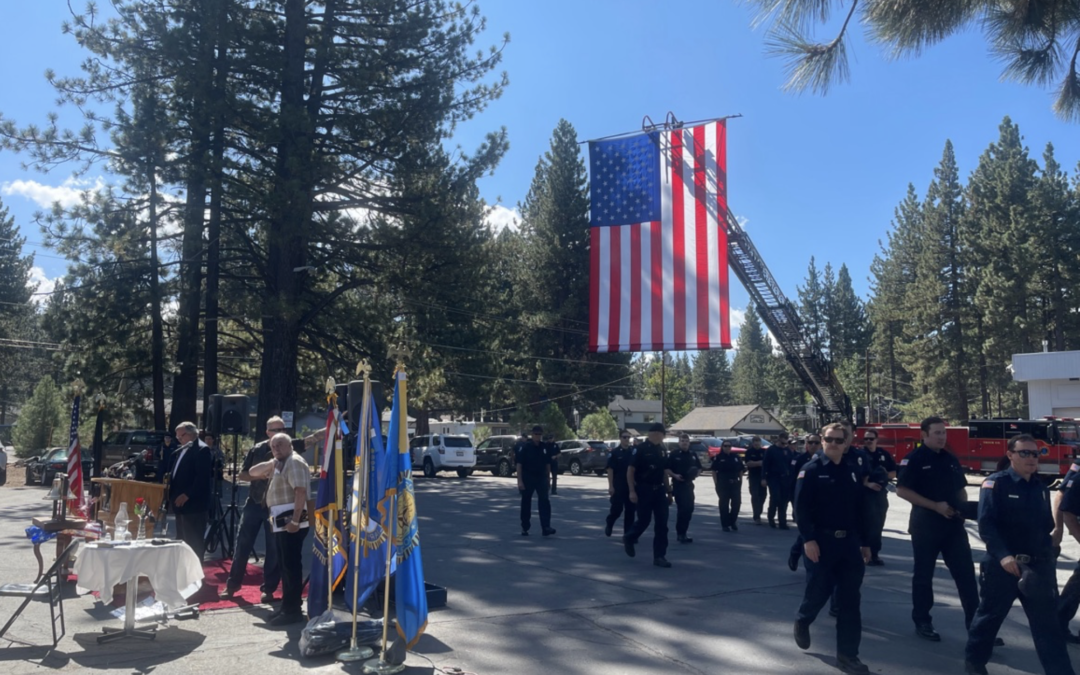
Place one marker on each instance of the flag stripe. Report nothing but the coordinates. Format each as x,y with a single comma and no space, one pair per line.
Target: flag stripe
635,285
701,233
614,252
663,284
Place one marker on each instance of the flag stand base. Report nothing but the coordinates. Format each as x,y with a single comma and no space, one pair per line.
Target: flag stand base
355,654
380,667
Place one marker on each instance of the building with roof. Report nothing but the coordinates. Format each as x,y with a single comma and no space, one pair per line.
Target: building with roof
634,414
1053,380
729,420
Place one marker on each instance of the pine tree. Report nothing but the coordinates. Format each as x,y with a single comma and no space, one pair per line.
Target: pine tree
1002,240
40,419
893,272
850,330
1056,279
938,337
599,425
553,277
812,310
750,368
17,317
711,378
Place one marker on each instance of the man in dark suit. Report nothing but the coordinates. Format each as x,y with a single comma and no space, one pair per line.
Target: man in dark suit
191,487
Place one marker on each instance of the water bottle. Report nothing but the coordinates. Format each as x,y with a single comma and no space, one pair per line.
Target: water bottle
121,521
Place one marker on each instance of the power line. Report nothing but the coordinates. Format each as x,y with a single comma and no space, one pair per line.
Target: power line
556,398
527,356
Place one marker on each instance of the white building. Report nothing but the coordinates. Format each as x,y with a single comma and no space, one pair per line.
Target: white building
633,413
1053,380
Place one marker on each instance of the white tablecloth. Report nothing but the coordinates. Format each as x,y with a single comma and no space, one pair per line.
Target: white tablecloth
173,569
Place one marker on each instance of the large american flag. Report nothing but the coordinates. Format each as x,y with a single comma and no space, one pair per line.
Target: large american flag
74,467
658,252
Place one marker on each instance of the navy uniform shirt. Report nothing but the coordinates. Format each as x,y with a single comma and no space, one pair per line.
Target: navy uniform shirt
799,461
778,462
754,455
936,476
257,455
552,452
1015,516
649,461
727,466
618,461
859,460
533,458
686,464
1067,481
1070,501
829,497
881,465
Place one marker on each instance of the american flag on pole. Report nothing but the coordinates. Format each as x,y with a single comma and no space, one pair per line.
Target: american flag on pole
74,467
658,251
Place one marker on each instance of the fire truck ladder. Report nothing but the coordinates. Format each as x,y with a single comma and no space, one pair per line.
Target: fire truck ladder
782,320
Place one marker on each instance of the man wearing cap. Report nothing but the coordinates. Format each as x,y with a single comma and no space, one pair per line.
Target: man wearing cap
534,472
647,478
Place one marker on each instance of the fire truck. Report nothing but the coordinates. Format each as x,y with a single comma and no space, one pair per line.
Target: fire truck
981,444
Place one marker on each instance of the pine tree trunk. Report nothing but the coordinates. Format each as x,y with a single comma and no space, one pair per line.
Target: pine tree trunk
157,334
213,246
286,230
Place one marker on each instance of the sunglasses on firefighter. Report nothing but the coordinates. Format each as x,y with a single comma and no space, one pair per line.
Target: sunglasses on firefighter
1030,454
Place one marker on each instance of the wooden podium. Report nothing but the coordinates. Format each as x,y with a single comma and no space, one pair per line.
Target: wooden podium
115,491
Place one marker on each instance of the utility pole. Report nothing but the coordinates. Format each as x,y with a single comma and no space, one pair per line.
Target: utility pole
868,408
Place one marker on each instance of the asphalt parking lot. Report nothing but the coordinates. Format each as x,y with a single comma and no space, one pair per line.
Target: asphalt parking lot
570,603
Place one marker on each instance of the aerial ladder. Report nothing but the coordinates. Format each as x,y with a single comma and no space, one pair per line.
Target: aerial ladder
782,319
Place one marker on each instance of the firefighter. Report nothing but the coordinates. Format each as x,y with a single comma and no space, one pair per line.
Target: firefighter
618,489
882,471
683,467
1015,521
932,479
776,471
648,483
832,521
755,458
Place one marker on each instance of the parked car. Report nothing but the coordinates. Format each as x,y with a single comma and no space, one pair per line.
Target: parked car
496,454
579,457
743,440
41,470
713,443
443,452
140,443
697,446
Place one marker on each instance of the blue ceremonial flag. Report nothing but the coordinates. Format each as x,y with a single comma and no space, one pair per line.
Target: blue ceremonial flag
410,594
329,535
367,512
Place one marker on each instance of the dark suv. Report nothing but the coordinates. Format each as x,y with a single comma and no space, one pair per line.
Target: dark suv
580,457
496,454
120,445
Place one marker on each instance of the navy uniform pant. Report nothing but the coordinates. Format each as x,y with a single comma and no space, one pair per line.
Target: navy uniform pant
840,567
757,495
255,518
877,504
729,491
652,504
543,504
778,500
999,590
620,504
948,539
684,506
1069,601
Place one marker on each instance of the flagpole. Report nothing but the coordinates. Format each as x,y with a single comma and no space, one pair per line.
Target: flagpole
363,440
331,400
381,666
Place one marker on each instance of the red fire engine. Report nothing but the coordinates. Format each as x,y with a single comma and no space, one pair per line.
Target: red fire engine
981,444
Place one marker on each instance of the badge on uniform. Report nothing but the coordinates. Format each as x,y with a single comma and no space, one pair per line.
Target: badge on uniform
860,461
802,474
1069,484
988,483
903,462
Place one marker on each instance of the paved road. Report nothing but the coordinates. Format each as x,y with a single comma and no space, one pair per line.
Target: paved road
571,603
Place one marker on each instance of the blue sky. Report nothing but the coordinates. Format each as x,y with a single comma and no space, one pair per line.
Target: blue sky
809,175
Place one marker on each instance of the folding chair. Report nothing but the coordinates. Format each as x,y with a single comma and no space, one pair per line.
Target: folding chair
48,588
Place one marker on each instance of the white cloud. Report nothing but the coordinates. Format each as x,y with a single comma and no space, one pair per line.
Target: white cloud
45,285
738,318
499,217
742,221
69,193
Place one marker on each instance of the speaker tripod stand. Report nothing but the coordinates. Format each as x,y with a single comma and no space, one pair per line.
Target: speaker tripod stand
222,526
